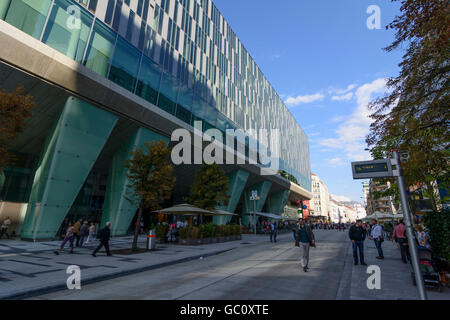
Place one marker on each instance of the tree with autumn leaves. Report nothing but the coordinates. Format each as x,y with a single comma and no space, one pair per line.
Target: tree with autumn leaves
415,115
210,188
15,107
151,179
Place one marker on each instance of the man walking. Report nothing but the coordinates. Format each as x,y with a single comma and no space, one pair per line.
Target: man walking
377,236
273,232
5,226
83,232
357,235
305,239
105,234
400,234
76,231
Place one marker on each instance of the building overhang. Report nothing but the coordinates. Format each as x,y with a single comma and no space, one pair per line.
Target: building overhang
41,68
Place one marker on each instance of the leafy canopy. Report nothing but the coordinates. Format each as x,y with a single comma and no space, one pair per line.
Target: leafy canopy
210,188
150,175
414,116
14,109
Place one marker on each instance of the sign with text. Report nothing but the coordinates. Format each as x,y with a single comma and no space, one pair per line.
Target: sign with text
372,169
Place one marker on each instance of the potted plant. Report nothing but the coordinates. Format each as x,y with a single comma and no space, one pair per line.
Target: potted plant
161,233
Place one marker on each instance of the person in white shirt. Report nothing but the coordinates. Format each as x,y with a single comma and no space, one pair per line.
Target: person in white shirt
377,236
91,233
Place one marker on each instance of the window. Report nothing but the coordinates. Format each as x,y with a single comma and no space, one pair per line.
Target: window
168,93
145,14
109,11
58,35
139,7
100,49
130,26
26,15
93,5
149,80
184,104
117,15
125,64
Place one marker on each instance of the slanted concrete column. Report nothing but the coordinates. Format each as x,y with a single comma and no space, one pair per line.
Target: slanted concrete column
68,156
117,209
277,202
263,189
236,183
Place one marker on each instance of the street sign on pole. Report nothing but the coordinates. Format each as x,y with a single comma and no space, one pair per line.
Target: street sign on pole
409,227
372,169
254,197
381,169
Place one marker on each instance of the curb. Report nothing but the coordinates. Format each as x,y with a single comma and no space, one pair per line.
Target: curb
53,288
344,289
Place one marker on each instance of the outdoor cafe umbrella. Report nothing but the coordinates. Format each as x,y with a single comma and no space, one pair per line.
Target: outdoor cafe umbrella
190,210
218,212
184,209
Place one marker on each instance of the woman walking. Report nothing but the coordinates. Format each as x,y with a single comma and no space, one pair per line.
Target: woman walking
68,237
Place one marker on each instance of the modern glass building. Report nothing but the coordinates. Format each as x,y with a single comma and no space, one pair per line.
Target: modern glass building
108,75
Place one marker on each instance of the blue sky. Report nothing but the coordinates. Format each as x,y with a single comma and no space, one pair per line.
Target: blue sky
326,64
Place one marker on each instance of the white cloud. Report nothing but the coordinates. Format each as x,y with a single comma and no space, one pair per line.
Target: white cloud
294,101
339,91
344,97
350,134
335,162
275,56
340,198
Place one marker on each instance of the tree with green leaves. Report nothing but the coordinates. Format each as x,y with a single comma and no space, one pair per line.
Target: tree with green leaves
415,115
151,180
210,188
15,107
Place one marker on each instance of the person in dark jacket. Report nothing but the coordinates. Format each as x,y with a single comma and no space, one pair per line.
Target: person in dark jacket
305,240
104,236
357,235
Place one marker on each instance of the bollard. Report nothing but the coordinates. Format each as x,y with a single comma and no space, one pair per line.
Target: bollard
151,240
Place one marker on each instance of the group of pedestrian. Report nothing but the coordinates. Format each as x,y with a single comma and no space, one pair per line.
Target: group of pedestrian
80,231
375,232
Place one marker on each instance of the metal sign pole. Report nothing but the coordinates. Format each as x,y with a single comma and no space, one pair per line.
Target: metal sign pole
254,215
409,229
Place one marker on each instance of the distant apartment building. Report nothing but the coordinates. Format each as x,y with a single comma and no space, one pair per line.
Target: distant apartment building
320,203
335,213
375,202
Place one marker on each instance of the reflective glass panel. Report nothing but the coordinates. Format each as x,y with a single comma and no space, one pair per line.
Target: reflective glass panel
168,93
28,15
149,79
125,64
66,34
100,48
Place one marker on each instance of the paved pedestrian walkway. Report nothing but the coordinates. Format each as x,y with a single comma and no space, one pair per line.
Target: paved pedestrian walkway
396,281
28,268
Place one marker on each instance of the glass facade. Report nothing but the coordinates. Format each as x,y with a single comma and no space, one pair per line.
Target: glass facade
124,65
180,55
69,39
27,15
